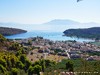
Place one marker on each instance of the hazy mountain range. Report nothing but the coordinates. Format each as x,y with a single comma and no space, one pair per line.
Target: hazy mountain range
61,22
58,24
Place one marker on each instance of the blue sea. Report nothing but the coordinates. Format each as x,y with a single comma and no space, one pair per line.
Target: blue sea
55,36
52,32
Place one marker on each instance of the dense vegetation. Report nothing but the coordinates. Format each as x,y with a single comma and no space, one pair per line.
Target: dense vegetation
13,60
92,33
10,31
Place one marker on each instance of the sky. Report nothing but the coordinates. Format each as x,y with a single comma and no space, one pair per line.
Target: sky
41,11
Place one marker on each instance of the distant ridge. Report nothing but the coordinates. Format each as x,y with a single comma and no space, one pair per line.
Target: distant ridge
61,22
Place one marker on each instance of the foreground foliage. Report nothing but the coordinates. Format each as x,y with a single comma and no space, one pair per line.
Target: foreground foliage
13,60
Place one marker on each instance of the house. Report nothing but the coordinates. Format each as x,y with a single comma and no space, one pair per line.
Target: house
74,56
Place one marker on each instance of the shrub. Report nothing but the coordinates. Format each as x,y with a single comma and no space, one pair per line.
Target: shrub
14,71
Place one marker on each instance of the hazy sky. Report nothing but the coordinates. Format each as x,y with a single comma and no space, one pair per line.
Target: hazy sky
40,11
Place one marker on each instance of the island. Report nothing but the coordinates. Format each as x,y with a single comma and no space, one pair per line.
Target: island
90,33
6,31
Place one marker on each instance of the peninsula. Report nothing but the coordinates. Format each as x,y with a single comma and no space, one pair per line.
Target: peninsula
91,33
11,31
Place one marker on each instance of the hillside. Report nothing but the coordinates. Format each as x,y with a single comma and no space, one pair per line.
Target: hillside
91,33
25,59
10,31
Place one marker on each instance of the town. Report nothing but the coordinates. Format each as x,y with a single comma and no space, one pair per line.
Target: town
58,50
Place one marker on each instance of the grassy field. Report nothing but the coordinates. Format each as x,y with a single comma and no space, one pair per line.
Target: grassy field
35,56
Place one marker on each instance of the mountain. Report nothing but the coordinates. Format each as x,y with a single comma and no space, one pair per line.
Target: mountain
10,31
91,33
61,22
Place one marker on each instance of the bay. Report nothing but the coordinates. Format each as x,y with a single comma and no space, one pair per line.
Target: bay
55,36
52,32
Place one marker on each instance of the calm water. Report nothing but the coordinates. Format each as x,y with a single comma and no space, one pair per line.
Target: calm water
47,35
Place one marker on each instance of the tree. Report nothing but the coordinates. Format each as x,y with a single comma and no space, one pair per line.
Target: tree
23,58
30,70
20,65
37,69
19,53
27,65
13,62
69,66
42,64
49,63
29,42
